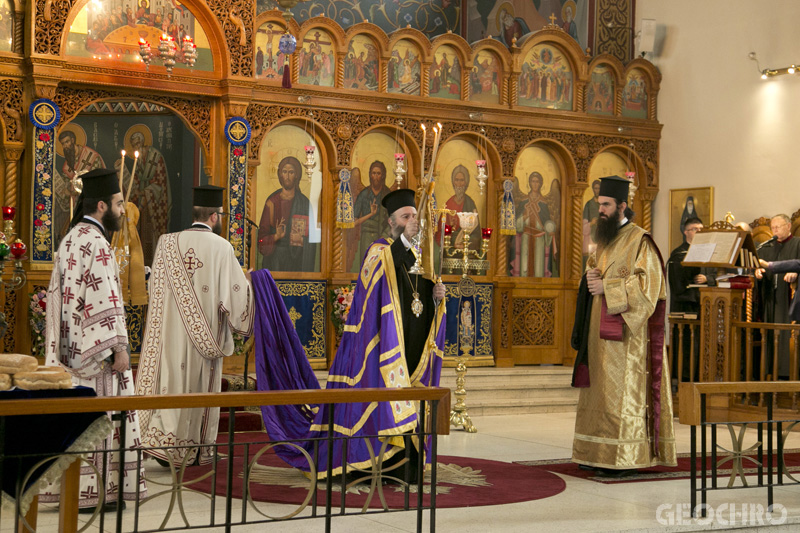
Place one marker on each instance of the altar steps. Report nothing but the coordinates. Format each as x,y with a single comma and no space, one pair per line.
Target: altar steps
511,391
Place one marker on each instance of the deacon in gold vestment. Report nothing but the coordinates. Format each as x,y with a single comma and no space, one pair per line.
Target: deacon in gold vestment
624,418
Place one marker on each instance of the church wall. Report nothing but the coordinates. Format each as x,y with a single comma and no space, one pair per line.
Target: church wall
723,125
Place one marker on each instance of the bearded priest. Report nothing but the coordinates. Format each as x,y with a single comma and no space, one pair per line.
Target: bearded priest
199,296
86,333
624,416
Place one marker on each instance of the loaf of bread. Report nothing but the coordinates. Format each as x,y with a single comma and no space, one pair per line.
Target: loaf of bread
5,381
43,380
11,363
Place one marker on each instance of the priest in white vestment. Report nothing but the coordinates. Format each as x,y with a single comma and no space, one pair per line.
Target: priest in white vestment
86,333
199,296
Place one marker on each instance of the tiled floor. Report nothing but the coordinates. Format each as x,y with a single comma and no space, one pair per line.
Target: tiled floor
583,506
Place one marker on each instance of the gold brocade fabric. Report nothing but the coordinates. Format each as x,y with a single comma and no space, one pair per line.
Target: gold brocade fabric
134,288
613,427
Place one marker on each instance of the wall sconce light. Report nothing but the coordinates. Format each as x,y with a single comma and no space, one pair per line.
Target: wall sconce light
772,72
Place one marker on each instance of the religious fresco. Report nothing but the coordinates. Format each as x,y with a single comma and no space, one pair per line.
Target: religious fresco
457,189
485,78
634,95
506,20
269,60
316,59
535,250
288,203
600,91
361,66
445,73
546,79
431,17
371,179
95,139
6,26
111,29
404,69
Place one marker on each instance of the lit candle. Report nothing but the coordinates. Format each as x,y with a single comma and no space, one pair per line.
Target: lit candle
9,212
448,229
121,167
133,173
437,135
422,161
486,233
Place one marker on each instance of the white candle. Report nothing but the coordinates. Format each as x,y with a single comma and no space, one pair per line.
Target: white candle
422,162
133,174
121,166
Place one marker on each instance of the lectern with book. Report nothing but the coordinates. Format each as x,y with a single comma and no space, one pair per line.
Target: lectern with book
724,247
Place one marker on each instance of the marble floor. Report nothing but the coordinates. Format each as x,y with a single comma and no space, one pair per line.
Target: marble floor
583,506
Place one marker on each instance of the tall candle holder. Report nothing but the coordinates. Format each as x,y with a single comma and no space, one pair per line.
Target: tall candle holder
470,260
12,246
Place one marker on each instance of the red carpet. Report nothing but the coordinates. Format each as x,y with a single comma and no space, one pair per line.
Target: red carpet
461,481
659,473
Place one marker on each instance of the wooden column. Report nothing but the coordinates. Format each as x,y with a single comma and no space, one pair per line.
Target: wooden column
719,308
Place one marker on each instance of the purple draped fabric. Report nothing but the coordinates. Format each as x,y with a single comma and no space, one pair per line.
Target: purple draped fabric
370,355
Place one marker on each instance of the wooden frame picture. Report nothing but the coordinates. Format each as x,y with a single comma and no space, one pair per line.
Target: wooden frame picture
685,204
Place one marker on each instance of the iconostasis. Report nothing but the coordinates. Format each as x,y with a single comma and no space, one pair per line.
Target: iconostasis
279,112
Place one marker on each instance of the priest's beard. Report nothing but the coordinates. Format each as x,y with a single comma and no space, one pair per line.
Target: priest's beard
607,228
111,222
217,227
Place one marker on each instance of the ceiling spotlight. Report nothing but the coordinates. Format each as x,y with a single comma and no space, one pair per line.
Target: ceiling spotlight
790,70
764,75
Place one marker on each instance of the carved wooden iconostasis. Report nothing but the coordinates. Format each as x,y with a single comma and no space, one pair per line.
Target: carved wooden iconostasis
546,117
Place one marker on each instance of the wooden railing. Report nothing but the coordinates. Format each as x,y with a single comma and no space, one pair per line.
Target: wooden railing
439,399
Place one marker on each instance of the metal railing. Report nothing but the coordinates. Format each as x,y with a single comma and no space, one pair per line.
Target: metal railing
768,461
434,401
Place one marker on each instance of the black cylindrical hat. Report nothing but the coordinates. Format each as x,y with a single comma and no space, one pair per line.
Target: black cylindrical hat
100,183
615,187
397,199
208,196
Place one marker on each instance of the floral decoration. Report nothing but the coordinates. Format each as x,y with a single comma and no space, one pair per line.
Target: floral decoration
36,316
341,298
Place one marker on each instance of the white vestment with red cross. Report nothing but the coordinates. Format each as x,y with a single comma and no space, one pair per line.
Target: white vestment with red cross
85,326
199,296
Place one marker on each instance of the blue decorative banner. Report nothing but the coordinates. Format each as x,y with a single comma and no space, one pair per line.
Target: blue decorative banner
44,114
305,302
480,306
237,186
237,131
42,213
135,319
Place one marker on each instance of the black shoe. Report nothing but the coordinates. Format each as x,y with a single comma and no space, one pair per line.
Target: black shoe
108,507
587,467
612,473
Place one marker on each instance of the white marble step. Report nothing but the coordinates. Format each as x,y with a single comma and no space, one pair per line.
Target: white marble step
508,391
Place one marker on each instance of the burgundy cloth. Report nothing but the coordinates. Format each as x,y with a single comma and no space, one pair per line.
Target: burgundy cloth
611,326
655,330
580,376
